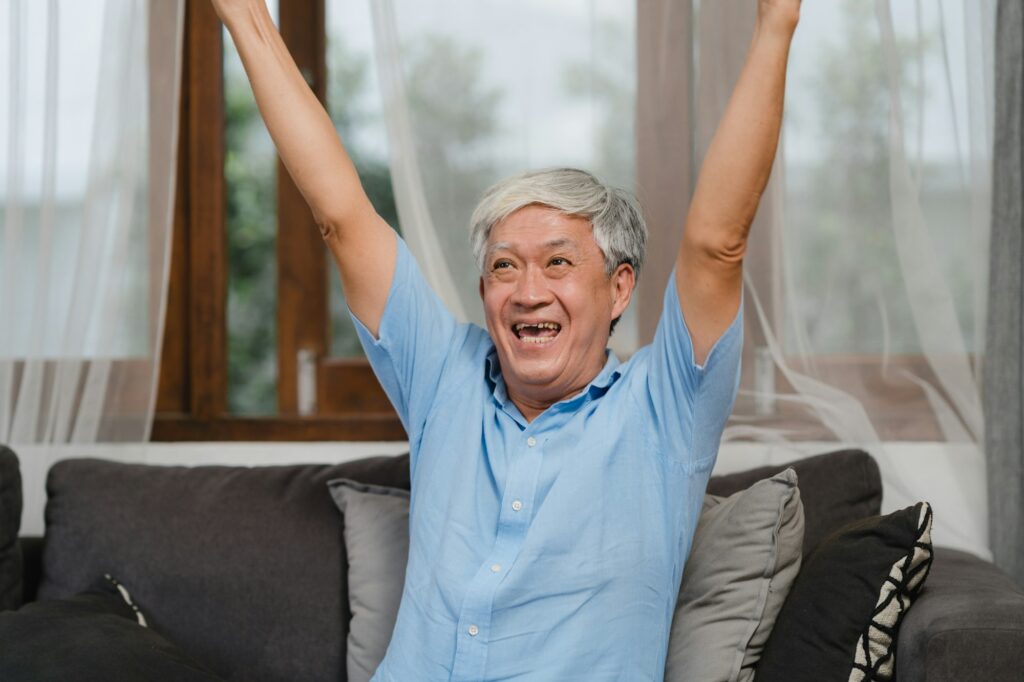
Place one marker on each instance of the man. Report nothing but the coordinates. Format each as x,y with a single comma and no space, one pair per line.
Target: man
555,491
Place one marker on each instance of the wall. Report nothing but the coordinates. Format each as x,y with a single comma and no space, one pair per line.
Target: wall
950,477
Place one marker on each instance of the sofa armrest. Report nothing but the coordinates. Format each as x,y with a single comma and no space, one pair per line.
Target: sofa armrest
967,624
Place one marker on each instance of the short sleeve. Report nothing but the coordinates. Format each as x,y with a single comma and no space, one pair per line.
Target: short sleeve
415,334
692,402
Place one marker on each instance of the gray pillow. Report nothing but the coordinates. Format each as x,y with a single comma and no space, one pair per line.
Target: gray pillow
745,556
746,553
377,542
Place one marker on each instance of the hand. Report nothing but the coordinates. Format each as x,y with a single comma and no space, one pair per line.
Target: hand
781,15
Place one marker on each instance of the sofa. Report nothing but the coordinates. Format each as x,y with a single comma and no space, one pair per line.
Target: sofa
245,568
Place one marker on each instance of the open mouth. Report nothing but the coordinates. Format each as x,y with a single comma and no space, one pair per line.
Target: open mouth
536,332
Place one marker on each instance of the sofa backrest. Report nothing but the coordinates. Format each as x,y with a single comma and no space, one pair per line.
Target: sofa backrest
243,568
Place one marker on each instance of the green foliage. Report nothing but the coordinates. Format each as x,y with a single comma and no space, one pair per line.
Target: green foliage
451,131
249,171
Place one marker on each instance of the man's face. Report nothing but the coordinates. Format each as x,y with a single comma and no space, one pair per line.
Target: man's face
549,303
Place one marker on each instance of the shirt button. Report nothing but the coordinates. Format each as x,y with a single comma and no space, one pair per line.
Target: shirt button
495,568
516,505
473,630
531,441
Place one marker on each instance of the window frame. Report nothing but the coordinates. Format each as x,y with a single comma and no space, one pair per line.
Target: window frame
192,394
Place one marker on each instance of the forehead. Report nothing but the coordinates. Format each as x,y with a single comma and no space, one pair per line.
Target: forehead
541,227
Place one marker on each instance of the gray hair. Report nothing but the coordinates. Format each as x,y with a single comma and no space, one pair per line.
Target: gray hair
618,225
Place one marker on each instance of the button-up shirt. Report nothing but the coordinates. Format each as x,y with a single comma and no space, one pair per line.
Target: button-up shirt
551,549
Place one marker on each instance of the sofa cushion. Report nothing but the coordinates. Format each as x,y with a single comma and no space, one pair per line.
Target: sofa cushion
10,522
241,567
99,635
842,617
744,557
836,488
967,624
377,545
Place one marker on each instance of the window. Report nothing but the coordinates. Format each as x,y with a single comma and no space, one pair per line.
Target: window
255,348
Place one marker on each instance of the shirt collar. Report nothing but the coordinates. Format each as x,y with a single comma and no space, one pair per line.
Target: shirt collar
596,388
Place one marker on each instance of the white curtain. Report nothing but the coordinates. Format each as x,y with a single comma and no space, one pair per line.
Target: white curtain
88,135
866,278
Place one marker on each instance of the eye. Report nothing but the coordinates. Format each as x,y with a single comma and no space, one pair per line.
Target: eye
558,260
502,265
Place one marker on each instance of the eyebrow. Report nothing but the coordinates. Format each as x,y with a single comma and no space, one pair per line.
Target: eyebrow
558,243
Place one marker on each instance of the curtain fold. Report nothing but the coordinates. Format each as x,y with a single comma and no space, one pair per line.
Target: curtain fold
1004,355
89,110
866,274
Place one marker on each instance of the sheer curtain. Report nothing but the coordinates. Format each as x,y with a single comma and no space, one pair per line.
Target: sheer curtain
88,129
866,277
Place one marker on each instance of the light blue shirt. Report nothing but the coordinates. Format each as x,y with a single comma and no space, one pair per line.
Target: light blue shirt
552,549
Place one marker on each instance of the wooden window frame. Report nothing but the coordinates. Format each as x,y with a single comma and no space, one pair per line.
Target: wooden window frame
192,394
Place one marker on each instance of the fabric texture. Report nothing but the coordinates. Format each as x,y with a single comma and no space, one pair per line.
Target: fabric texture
262,545
1003,376
842,617
493,494
10,522
95,636
377,545
967,625
836,488
746,554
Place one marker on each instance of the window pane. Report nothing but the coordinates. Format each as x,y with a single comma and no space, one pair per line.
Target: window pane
353,101
843,230
250,174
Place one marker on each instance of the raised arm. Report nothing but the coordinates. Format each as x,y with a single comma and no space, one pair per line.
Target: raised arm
362,243
709,267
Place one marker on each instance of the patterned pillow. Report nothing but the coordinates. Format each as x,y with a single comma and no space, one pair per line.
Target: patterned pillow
99,634
842,617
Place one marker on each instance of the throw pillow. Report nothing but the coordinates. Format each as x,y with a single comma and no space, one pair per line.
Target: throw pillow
10,523
841,620
836,488
240,566
98,635
745,556
377,543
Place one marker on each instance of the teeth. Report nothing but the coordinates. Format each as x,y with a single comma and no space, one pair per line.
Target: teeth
539,325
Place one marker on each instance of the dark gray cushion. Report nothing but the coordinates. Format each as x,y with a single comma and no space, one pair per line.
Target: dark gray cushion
967,624
836,488
10,522
243,568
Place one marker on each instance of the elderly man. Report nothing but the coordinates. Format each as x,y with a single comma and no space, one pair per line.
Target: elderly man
555,491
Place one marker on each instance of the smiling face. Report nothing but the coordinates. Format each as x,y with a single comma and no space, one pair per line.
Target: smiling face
549,304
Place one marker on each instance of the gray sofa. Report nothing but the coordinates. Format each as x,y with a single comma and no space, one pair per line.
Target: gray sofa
245,568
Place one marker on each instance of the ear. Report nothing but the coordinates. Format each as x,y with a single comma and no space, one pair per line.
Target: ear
481,288
623,281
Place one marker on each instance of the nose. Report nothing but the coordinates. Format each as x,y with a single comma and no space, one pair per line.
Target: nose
531,289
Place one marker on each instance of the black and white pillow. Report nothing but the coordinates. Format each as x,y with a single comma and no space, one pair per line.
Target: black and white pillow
841,619
100,634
